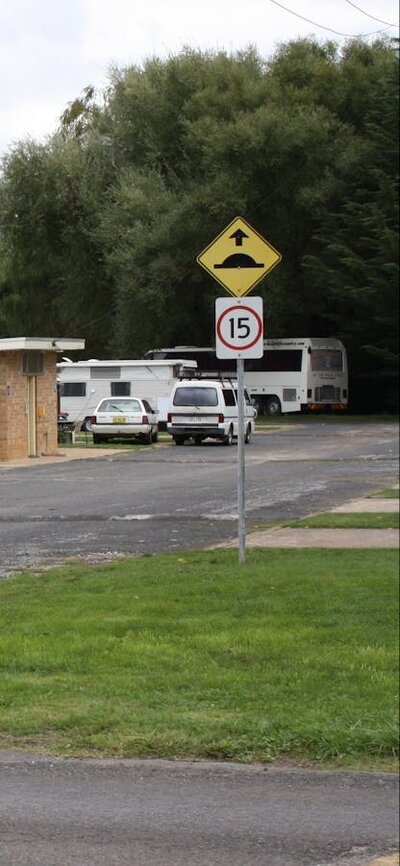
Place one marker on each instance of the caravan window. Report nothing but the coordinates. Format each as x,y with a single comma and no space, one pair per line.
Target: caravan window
105,372
72,389
120,389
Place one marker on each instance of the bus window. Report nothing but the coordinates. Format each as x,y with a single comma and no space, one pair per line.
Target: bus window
277,360
326,359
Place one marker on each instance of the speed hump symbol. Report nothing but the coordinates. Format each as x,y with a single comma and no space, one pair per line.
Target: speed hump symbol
239,328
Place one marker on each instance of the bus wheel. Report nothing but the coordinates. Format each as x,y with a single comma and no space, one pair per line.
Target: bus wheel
273,406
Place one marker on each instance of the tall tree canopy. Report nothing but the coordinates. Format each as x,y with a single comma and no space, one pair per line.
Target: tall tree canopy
100,227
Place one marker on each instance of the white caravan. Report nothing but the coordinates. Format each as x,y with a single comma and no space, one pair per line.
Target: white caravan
82,384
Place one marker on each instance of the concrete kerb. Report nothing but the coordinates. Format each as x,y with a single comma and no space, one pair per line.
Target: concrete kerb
66,456
292,537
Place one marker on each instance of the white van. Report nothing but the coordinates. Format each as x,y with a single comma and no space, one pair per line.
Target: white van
207,408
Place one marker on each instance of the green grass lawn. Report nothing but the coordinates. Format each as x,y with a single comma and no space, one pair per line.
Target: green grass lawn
192,655
345,520
389,493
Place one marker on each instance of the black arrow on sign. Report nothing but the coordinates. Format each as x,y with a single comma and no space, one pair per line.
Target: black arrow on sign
238,235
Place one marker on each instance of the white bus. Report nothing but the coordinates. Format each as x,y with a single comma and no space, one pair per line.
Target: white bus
294,374
82,384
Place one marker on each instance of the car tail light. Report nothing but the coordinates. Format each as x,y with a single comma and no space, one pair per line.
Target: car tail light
309,394
169,417
221,418
145,419
93,419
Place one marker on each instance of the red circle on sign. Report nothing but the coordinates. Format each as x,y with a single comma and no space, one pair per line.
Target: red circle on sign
247,345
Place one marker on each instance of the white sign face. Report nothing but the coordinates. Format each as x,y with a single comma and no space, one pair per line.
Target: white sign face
239,331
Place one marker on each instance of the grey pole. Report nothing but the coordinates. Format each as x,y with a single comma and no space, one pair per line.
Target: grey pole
240,458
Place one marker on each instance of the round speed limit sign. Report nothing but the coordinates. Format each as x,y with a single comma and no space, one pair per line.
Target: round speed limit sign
239,328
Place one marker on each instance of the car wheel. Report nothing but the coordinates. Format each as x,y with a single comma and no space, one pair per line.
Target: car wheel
87,425
146,438
247,435
179,440
154,437
228,438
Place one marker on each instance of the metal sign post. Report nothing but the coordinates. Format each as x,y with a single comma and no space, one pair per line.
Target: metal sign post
240,462
238,259
239,334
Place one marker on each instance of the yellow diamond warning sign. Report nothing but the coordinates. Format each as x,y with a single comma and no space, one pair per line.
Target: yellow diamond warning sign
239,257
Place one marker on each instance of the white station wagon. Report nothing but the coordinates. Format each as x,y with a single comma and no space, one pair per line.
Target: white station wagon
124,418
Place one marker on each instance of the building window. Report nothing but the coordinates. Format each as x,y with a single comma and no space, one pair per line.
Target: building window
32,363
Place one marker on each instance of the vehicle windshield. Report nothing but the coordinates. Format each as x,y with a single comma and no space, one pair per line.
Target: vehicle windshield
195,396
119,406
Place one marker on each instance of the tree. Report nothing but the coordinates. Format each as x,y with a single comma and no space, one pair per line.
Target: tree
53,271
354,266
100,227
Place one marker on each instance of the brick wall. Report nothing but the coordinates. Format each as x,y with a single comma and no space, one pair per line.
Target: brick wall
13,406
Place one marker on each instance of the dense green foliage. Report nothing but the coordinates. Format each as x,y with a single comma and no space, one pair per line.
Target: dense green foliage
100,226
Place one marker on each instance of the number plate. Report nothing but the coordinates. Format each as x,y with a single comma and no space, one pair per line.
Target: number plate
119,420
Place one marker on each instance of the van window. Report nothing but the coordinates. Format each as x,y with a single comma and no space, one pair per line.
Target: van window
246,397
229,397
195,396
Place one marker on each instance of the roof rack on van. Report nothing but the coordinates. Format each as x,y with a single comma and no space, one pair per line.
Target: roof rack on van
200,375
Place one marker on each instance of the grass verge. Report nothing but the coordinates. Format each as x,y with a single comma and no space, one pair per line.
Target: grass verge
347,520
191,655
389,493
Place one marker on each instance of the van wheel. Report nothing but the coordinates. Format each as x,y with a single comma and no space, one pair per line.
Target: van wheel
247,435
228,438
179,440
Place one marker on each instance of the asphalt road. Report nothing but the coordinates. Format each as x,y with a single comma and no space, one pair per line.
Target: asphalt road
65,812
166,498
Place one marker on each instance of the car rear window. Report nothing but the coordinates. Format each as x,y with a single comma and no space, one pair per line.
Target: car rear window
116,405
195,397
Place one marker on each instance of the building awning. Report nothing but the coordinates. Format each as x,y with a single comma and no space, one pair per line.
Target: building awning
41,344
